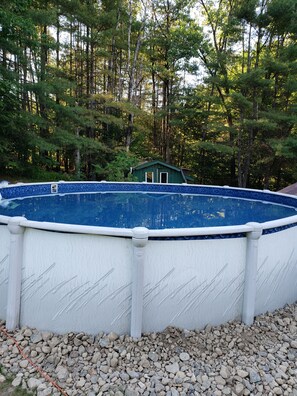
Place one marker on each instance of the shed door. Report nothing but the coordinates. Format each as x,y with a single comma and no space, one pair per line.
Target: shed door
164,177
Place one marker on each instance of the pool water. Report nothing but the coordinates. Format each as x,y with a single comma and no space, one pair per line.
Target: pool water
151,210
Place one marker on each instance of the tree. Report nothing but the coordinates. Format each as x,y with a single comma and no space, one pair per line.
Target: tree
174,39
86,87
238,60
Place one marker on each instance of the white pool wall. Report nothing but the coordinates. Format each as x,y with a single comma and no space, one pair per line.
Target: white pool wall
73,282
89,288
183,279
82,282
277,270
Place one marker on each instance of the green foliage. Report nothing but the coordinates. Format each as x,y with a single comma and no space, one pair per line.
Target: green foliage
210,147
282,14
246,10
253,79
118,169
285,148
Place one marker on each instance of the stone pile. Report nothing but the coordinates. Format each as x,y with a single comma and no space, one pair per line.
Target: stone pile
231,359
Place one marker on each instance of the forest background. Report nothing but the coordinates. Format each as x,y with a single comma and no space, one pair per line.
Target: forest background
89,88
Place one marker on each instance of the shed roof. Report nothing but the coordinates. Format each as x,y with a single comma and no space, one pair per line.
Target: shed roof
150,163
292,189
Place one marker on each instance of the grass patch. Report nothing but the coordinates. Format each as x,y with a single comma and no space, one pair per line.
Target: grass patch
6,389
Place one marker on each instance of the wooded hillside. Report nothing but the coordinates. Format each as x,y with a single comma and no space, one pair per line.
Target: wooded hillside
89,88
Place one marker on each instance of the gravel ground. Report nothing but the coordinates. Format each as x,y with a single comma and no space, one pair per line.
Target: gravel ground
231,359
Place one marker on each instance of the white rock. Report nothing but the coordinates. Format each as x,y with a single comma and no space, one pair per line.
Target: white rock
220,380
112,336
184,356
114,362
239,388
96,357
180,374
45,392
62,373
36,337
172,368
46,349
131,392
242,373
46,335
132,374
28,333
153,356
33,383
53,342
224,372
23,363
293,344
17,381
81,383
254,376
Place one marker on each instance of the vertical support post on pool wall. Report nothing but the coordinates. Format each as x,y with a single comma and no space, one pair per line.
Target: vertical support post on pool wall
15,272
250,279
139,240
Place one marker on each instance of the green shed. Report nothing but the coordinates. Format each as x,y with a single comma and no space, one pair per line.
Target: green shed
160,172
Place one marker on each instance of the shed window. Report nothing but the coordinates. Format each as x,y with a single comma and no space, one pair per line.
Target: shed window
149,177
164,177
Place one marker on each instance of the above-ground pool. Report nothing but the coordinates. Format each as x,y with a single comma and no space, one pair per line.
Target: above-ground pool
138,257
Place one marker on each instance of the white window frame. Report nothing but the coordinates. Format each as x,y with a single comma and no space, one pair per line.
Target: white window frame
162,173
152,173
